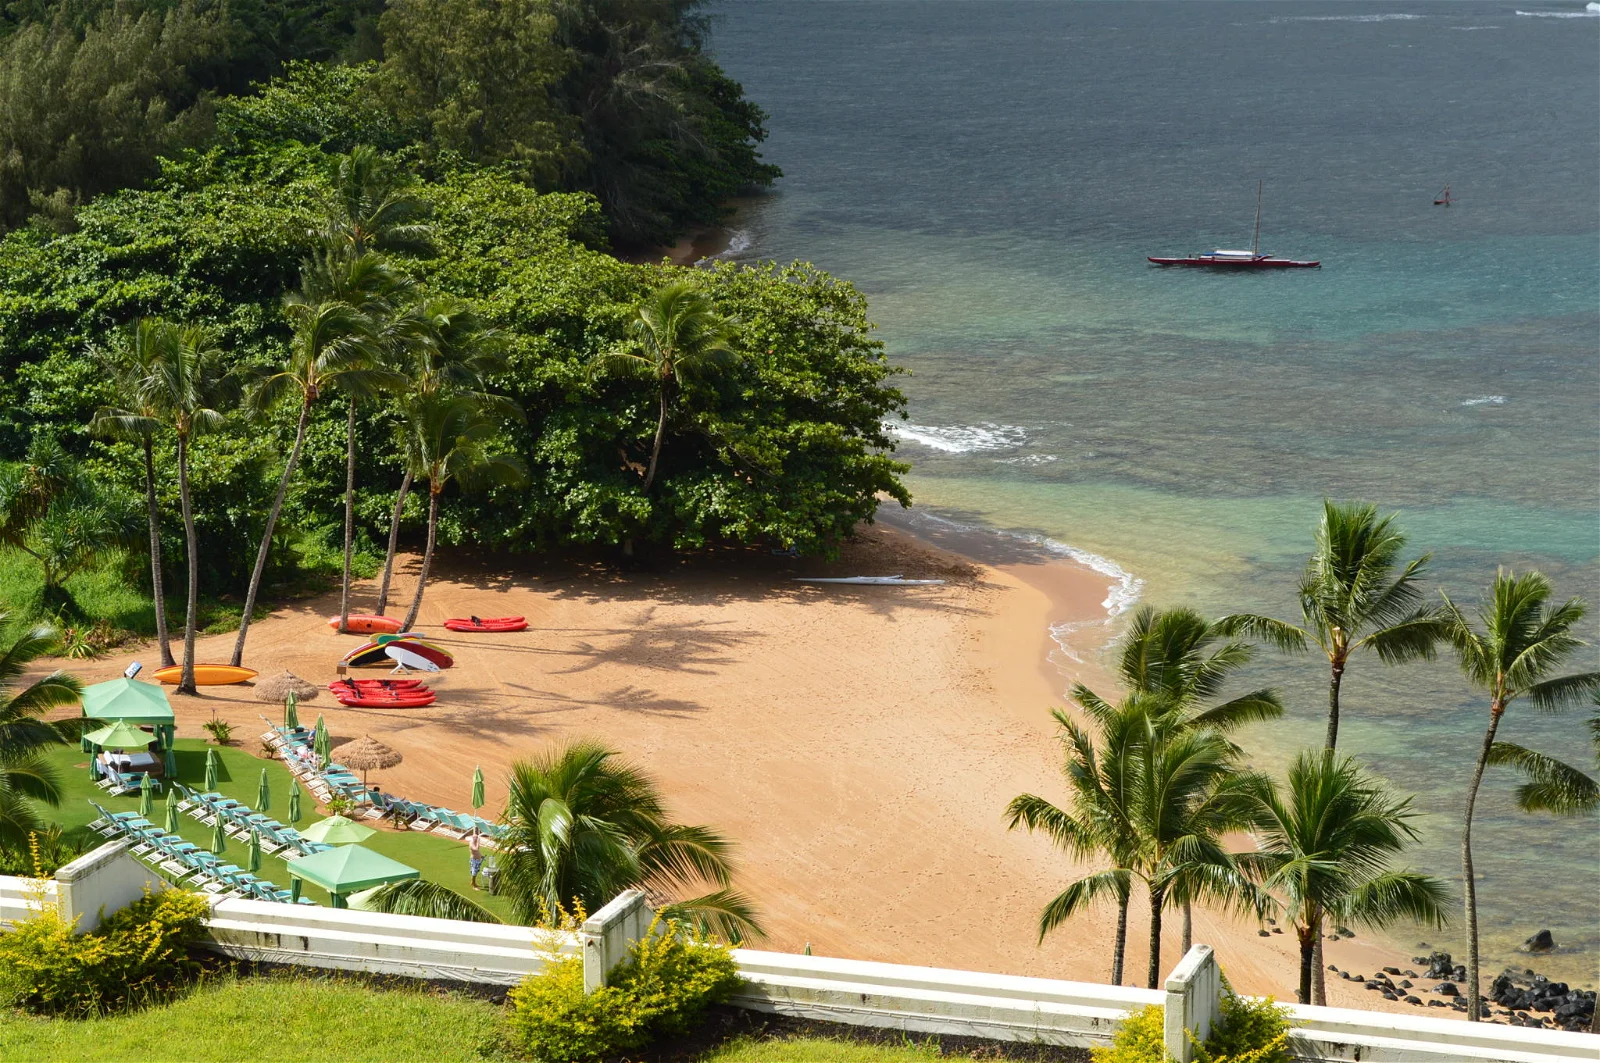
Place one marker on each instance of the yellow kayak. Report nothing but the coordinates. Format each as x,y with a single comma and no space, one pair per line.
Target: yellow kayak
207,675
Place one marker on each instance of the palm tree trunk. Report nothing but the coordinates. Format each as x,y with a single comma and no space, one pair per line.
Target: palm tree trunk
157,590
427,558
1188,927
655,449
349,516
1158,901
394,539
1121,946
266,536
1474,1008
1308,941
192,546
1334,680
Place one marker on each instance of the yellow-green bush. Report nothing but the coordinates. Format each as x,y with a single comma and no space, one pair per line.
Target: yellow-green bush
664,987
1247,1031
136,955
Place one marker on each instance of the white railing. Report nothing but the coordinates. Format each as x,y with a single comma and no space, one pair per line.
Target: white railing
922,1000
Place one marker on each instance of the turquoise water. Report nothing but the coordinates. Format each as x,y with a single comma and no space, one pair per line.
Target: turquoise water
992,174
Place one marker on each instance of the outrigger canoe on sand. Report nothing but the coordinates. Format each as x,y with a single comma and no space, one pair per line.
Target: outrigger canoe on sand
492,623
366,624
873,581
206,675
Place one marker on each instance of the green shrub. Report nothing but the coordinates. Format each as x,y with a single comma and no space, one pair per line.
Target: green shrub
221,731
664,987
136,955
1249,1030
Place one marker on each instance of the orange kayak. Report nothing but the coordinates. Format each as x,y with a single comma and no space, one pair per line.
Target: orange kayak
366,624
206,675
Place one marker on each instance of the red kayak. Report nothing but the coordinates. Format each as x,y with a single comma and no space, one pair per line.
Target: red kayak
386,703
491,623
369,694
379,684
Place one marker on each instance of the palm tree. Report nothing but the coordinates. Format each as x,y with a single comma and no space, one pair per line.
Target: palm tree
1324,846
1521,645
448,346
1178,656
581,826
680,336
369,210
1352,598
25,774
334,345
127,365
420,897
447,438
1099,822
184,386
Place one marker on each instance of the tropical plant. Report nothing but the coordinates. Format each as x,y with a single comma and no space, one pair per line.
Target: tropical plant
448,438
26,775
370,209
1324,845
420,897
334,345
1246,1030
678,335
581,825
128,364
1523,642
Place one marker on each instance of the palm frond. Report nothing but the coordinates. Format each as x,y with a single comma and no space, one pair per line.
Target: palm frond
1552,786
1113,885
1278,634
727,913
429,899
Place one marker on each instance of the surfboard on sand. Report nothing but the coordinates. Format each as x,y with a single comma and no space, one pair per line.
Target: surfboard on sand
206,675
404,658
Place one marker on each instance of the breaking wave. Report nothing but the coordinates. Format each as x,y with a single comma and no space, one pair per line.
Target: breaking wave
1591,11
960,438
1485,400
1348,18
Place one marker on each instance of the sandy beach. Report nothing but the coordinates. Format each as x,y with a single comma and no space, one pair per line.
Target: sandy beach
858,743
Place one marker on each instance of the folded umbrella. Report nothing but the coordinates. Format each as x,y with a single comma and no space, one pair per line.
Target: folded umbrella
147,798
263,793
219,837
171,826
254,862
294,802
212,763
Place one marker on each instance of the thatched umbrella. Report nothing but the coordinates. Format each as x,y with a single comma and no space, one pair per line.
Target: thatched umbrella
367,753
277,687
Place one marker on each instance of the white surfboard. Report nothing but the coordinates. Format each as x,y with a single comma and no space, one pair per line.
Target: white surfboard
876,581
404,659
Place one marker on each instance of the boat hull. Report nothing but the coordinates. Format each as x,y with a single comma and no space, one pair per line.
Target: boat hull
206,675
366,624
1208,262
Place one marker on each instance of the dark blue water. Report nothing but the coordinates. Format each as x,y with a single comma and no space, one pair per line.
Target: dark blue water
992,174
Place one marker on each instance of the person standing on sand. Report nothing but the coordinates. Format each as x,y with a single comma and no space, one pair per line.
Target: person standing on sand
475,854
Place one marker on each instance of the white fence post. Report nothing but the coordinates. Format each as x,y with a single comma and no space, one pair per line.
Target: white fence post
1193,1000
100,882
608,934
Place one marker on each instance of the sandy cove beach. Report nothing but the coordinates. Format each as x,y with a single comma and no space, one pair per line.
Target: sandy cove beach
858,743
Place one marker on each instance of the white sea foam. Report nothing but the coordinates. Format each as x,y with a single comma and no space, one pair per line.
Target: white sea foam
738,243
1468,29
1029,459
1347,18
1592,11
960,438
1485,400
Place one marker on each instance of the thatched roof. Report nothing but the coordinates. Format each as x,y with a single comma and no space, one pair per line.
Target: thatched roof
277,687
366,753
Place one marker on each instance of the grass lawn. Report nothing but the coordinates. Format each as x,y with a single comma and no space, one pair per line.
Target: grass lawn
438,858
292,1017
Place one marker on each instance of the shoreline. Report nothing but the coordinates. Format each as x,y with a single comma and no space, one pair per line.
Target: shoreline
859,744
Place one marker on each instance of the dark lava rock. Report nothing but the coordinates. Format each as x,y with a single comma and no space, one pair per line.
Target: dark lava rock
1375,985
1344,932
1332,968
1446,989
1391,970
1440,965
1262,933
1405,983
1345,975
1360,978
1277,930
1389,996
1413,1000
1540,942
1436,1003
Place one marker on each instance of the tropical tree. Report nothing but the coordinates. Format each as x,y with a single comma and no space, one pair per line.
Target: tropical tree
1098,823
447,346
448,437
679,336
128,365
1324,846
1523,642
26,775
1353,598
370,209
421,897
334,345
582,826
1184,660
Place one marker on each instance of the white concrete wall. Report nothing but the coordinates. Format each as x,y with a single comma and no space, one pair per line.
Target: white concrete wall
609,934
19,900
1194,998
102,881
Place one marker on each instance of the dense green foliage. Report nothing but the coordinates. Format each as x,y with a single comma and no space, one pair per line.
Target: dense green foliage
1249,1030
137,954
662,989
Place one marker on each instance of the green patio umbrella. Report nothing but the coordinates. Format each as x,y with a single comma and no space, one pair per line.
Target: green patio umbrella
147,797
322,743
213,762
171,825
294,802
291,717
127,699
253,864
477,788
345,870
337,830
219,837
121,736
263,793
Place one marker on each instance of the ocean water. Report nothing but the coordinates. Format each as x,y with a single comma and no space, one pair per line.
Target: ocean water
992,173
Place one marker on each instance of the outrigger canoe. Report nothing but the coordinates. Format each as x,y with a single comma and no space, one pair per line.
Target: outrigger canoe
366,624
206,675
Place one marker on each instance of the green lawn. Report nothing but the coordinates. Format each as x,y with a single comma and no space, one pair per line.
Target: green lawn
292,1017
438,858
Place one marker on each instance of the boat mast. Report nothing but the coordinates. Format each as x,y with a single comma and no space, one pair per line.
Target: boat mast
1255,246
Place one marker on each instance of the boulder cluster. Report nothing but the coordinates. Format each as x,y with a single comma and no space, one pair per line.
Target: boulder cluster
1527,999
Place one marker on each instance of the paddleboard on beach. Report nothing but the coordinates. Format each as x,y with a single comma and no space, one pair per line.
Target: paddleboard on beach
874,581
404,658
